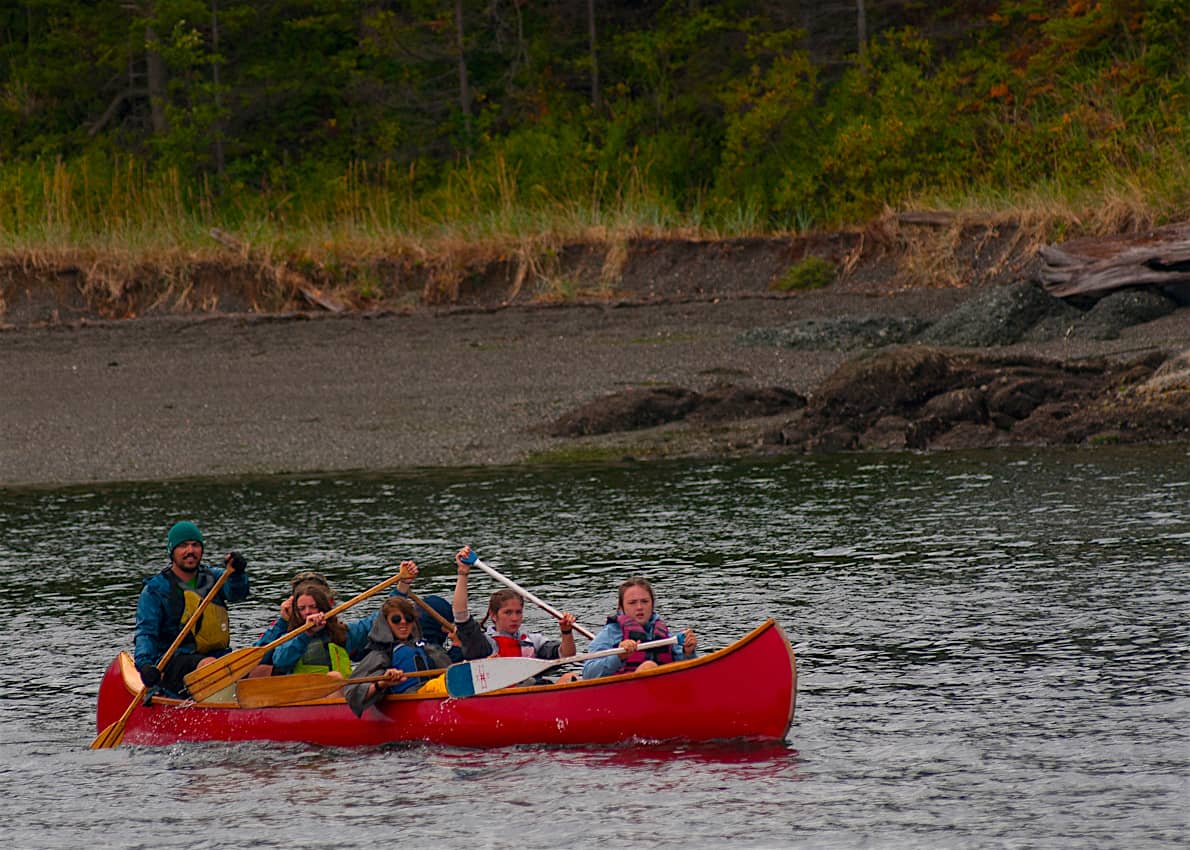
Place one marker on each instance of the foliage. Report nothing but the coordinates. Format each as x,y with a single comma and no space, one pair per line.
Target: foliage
348,120
809,273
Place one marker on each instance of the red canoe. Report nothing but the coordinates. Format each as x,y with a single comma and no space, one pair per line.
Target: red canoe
745,690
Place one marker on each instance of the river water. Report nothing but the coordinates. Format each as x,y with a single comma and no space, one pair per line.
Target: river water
993,649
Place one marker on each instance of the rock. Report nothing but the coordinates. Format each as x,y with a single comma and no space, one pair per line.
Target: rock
1017,397
729,402
967,404
626,411
1122,309
919,398
969,435
1171,376
887,434
639,408
1001,316
882,384
836,439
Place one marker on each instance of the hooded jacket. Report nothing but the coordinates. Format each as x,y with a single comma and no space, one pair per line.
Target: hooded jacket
385,651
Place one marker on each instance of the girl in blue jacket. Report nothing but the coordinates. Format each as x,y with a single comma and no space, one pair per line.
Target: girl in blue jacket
635,622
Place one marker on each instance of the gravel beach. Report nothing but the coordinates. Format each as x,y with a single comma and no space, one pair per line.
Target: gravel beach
228,395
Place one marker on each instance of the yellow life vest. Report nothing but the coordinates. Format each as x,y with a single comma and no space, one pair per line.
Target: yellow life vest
213,631
322,656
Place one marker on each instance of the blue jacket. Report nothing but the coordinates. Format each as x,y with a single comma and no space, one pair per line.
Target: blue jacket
609,638
357,635
159,611
288,654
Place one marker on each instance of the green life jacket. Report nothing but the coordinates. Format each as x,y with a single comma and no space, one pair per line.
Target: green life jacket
322,656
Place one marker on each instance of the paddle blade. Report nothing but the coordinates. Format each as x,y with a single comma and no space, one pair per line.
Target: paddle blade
268,691
111,736
114,734
491,674
207,681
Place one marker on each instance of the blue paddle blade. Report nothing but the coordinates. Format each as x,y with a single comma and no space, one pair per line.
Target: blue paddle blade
458,681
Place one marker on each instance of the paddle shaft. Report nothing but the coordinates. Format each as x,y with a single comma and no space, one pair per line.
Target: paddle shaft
544,606
118,726
334,612
492,674
615,650
236,665
447,626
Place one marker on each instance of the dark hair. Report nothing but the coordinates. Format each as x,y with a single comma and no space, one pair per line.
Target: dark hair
635,581
497,600
400,603
322,598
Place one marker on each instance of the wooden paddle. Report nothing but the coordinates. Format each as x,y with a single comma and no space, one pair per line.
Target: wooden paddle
234,666
114,734
450,628
545,606
469,678
270,691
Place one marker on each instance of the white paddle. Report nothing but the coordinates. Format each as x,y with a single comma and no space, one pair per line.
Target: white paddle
544,606
469,678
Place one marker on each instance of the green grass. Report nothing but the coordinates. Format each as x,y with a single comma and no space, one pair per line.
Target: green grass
807,274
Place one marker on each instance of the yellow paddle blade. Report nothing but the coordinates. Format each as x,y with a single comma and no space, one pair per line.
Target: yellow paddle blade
109,737
114,734
206,681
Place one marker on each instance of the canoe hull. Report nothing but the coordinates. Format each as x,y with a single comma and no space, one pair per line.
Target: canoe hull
746,690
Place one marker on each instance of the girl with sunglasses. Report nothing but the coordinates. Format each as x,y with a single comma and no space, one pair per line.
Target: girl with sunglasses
394,648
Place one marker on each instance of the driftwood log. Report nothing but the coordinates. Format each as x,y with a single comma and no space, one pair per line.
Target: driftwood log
1093,267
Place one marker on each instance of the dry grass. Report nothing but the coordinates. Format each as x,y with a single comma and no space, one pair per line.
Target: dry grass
116,224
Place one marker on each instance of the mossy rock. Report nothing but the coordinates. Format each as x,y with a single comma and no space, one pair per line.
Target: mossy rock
809,273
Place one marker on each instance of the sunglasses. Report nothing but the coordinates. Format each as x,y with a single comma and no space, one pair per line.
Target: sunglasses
397,619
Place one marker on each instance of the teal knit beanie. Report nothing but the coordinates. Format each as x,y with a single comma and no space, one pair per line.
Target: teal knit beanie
180,533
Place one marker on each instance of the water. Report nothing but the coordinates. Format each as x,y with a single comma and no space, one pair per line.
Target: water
994,651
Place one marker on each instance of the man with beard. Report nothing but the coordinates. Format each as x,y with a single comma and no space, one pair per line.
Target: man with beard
167,602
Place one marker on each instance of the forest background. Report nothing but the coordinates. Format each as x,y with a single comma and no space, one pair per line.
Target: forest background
330,133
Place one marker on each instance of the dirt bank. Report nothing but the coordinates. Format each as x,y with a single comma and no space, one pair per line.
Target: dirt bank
486,378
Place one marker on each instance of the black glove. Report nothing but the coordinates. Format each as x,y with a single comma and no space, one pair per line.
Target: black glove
149,674
236,562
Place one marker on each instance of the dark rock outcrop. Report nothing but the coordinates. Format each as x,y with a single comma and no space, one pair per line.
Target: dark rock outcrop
639,408
919,398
